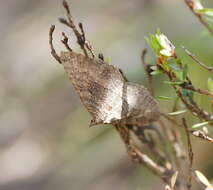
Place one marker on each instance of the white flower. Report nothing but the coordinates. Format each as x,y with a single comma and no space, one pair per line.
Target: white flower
168,47
197,5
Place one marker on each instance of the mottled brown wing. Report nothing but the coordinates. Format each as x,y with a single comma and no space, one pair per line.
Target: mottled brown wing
98,84
142,107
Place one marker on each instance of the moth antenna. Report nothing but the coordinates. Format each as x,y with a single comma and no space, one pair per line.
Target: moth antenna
65,42
53,52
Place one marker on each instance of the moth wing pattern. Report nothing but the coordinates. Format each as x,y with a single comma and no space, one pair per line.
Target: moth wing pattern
98,84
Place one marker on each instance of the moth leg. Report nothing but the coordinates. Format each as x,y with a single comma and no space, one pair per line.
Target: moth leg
65,42
53,52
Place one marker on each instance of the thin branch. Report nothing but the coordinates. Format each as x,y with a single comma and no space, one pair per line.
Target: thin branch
147,71
53,52
197,60
202,135
70,23
198,90
139,157
190,4
149,142
65,42
190,153
87,44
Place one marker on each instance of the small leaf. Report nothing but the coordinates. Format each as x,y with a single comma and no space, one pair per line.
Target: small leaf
164,97
173,83
179,75
200,124
210,84
157,72
185,71
174,66
202,178
177,112
206,11
108,59
174,179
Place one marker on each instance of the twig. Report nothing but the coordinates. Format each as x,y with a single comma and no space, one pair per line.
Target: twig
139,157
140,134
197,60
147,71
198,90
192,106
190,153
202,135
70,23
53,52
65,41
87,44
101,56
190,4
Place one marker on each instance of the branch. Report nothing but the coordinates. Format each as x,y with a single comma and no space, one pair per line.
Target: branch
70,23
197,61
190,4
53,52
147,70
139,157
65,42
202,135
190,153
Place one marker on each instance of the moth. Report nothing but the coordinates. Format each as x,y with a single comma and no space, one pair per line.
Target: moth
105,93
102,88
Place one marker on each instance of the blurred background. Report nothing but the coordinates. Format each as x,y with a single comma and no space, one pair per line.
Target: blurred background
45,142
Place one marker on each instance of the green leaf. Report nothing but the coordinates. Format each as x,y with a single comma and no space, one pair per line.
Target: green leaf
185,71
179,75
158,32
173,83
164,97
157,72
108,59
200,124
153,43
177,112
206,11
210,84
174,66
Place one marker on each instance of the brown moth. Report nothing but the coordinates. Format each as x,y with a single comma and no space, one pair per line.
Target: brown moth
107,96
105,93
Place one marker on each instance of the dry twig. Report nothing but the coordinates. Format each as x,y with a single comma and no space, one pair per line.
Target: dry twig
197,60
190,153
53,52
202,135
147,71
190,4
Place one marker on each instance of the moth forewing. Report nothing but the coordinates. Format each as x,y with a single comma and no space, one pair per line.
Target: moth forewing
106,95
